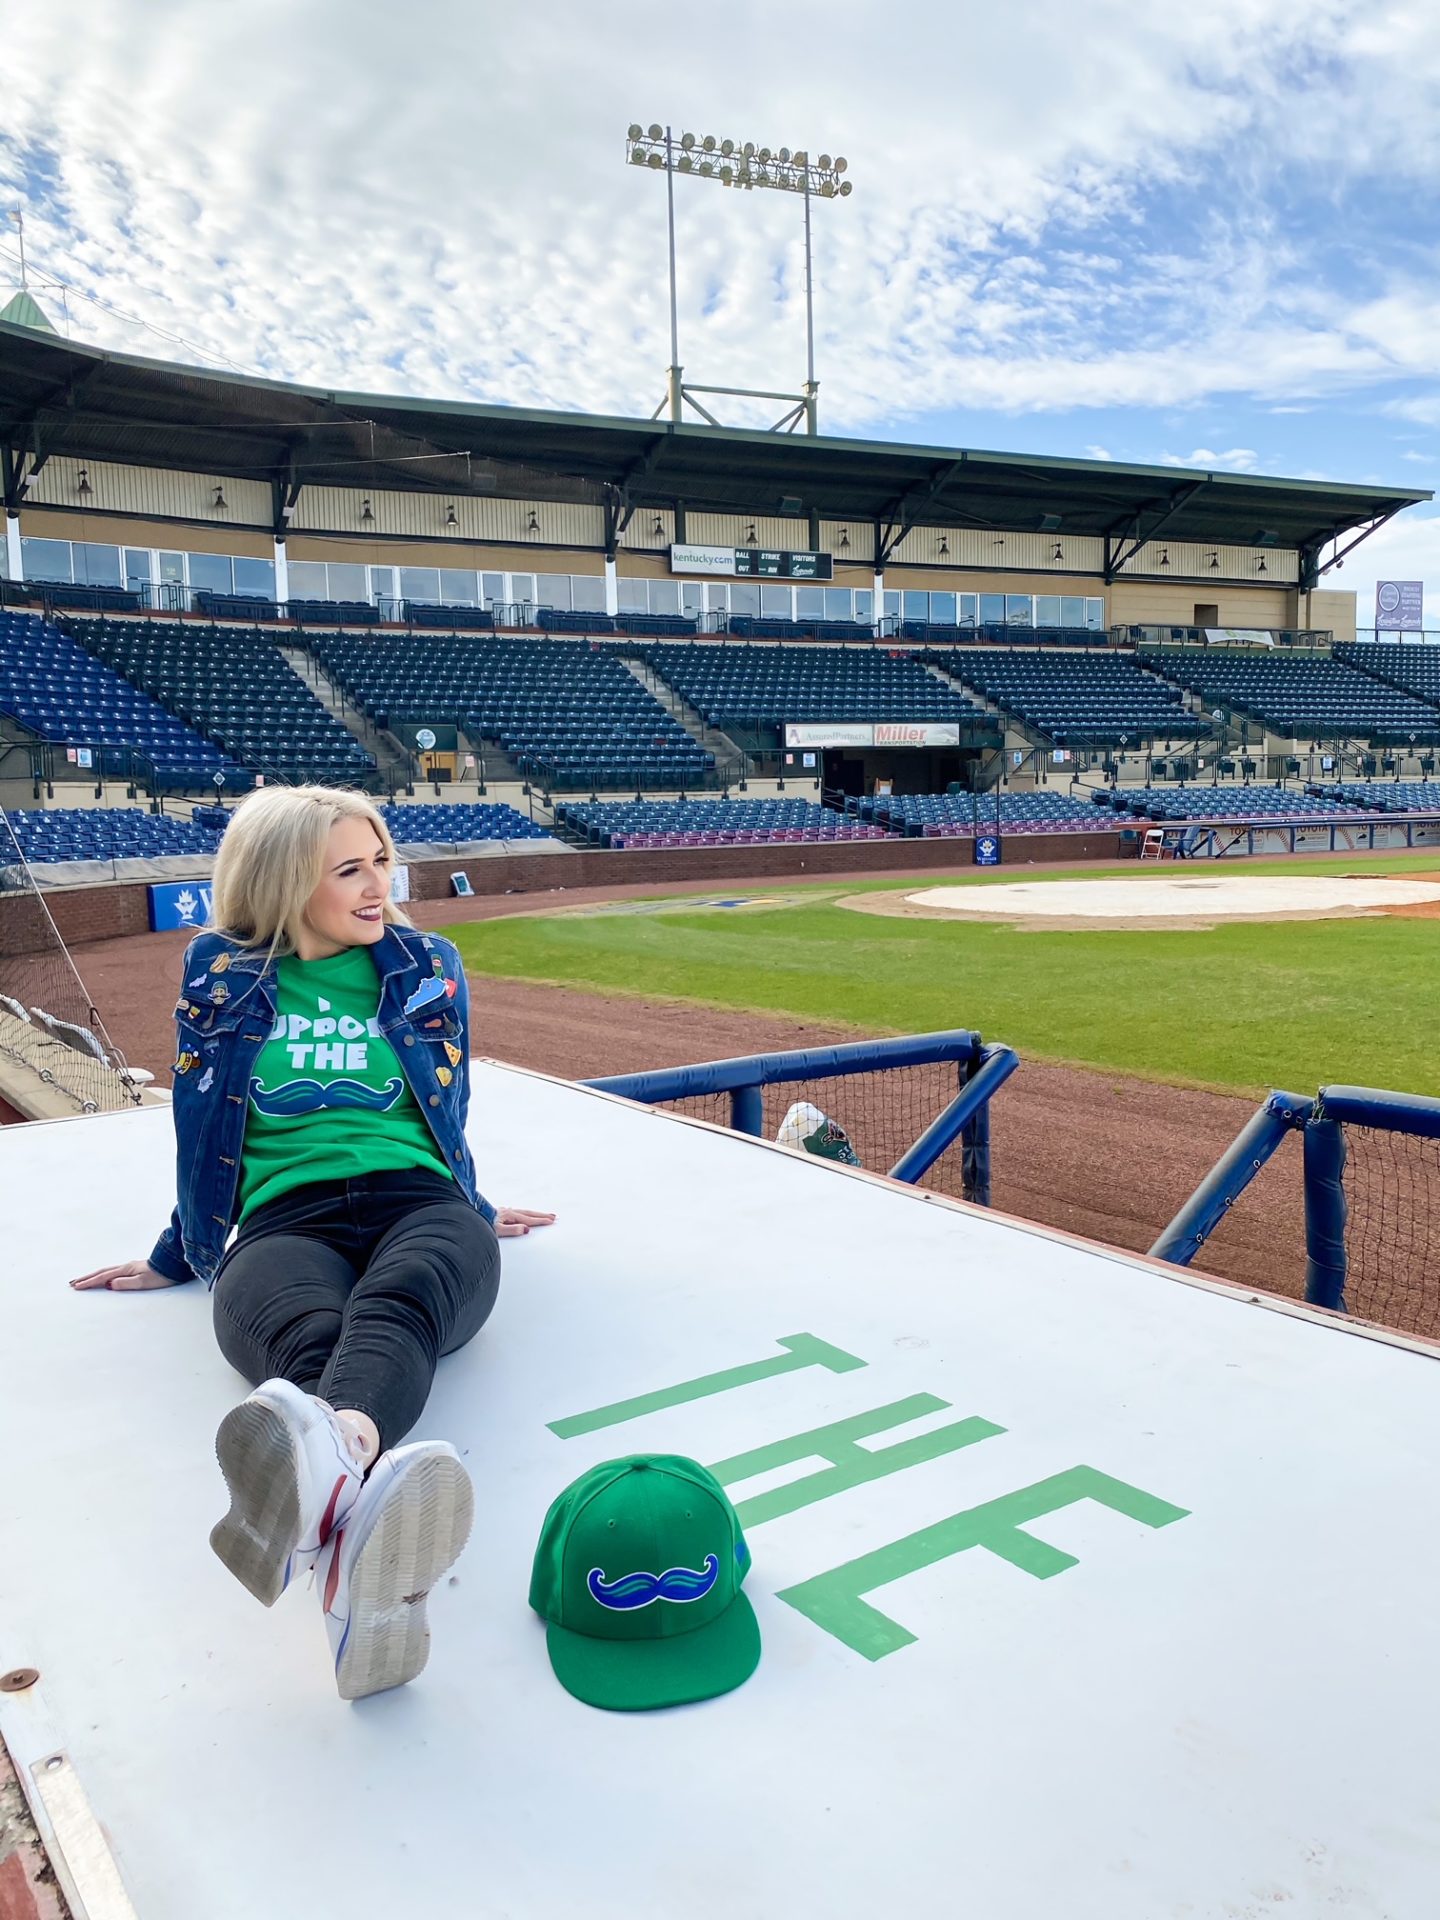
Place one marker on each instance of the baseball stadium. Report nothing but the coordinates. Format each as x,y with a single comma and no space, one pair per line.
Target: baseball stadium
977,908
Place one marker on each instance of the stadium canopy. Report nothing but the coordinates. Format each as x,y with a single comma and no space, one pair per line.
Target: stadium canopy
57,398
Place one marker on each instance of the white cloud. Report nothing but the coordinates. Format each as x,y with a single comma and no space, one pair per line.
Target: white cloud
433,199
1234,460
1423,459
1406,548
1098,453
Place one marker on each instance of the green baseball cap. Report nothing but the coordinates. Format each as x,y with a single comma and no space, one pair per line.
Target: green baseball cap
638,1575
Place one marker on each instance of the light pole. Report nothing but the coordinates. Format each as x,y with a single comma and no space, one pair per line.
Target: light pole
735,164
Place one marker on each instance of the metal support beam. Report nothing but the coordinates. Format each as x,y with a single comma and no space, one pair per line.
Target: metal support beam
1374,527
1120,557
906,511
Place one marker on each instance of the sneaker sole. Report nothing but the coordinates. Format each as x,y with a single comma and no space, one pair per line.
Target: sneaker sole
256,1538
420,1532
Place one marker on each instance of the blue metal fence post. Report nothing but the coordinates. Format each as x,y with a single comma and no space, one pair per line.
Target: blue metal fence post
1324,1143
747,1110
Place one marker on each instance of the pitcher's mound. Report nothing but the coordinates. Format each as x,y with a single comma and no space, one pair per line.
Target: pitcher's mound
1170,900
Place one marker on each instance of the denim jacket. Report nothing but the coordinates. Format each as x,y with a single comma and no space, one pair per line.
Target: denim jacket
224,1016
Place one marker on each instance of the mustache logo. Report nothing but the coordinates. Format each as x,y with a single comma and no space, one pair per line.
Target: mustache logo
641,1589
313,1096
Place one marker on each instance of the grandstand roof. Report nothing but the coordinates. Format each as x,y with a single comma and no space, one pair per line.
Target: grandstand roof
83,401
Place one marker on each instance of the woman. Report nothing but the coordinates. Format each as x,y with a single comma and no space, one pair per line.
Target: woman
321,1087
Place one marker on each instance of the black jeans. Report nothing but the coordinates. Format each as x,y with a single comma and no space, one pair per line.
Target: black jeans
353,1289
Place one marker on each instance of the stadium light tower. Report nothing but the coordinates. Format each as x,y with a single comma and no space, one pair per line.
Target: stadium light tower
737,164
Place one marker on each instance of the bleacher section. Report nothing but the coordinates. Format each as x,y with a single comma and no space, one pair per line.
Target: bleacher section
1075,699
756,626
105,833
708,823
1384,796
566,713
766,686
453,823
1255,802
1302,698
934,633
51,685
1413,669
955,815
233,685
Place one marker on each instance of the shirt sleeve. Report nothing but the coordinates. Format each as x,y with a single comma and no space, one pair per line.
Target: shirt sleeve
462,1007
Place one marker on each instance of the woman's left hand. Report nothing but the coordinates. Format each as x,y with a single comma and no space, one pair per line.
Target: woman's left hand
511,1222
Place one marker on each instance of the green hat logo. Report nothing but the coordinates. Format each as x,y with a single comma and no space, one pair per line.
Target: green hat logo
638,1574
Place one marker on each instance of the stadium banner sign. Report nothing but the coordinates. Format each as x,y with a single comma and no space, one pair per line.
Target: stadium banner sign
766,563
179,903
430,736
1400,606
880,733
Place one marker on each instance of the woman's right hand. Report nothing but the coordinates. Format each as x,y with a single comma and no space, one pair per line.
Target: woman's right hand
132,1277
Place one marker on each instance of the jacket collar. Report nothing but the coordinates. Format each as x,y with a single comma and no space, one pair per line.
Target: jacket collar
392,952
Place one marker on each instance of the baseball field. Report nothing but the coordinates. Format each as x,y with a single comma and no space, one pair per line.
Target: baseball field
1236,1008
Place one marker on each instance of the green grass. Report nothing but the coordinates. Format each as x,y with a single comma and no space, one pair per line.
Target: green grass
1244,1007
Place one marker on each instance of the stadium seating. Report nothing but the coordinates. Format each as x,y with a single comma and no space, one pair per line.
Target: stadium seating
567,713
455,821
1303,698
709,823
233,685
333,613
755,626
236,606
934,633
421,613
1413,669
1257,802
1385,796
563,620
766,686
1075,699
952,815
105,833
55,688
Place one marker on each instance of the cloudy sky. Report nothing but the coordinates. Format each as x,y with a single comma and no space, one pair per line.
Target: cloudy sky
1203,234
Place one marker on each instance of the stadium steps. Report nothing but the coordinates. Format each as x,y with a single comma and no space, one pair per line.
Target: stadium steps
389,755
1007,719
727,752
500,769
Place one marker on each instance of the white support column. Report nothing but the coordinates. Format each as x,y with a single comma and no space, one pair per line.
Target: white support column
13,563
612,589
879,587
282,573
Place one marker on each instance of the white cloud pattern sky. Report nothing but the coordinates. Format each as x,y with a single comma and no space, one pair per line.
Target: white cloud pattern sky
1180,235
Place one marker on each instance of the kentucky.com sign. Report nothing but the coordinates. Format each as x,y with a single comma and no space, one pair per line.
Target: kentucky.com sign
179,903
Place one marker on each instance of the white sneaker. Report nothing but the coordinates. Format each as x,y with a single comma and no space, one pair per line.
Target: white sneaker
292,1481
409,1525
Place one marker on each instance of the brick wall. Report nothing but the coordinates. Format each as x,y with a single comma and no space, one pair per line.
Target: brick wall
104,912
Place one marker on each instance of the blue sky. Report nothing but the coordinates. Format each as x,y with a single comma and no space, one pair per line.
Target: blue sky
1190,236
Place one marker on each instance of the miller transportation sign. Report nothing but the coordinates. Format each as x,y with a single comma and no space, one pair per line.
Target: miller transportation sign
880,733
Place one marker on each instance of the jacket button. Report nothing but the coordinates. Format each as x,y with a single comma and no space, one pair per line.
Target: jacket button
409,1039
434,1100
459,1153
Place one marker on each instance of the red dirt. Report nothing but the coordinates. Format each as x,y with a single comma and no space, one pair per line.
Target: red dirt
1098,1154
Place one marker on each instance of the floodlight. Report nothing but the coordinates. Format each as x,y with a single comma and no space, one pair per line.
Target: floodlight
684,163
727,146
707,167
783,156
727,174
841,163
656,159
825,162
801,159
635,130
637,157
657,132
764,155
827,187
845,188
708,143
748,149
687,140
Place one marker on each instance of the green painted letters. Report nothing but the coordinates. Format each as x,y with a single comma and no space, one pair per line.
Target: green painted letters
851,1466
834,1600
805,1350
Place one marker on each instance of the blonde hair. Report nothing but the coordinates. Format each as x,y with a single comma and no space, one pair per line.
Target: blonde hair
273,857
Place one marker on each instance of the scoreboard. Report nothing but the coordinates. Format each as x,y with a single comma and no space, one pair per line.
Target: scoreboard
771,565
765,563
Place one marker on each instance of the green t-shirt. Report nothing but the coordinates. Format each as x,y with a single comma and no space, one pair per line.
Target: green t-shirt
328,1100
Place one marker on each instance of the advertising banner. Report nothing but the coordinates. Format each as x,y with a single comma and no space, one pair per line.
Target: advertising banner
1400,606
880,733
179,903
689,559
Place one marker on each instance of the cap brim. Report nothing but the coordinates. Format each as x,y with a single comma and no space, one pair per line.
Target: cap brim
633,1676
